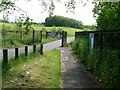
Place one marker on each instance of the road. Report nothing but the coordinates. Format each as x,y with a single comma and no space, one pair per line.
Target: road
46,47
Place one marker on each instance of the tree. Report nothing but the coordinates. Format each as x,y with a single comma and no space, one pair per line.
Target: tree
8,6
107,15
63,21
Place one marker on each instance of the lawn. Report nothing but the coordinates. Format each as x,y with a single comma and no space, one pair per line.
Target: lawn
13,39
35,71
70,31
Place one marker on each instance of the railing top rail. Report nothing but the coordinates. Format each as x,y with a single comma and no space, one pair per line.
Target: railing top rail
100,31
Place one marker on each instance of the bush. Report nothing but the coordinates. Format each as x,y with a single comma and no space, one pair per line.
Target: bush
105,65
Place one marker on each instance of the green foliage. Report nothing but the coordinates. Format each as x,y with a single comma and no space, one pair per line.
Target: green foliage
26,25
89,27
18,37
63,21
4,29
80,47
104,65
107,15
4,21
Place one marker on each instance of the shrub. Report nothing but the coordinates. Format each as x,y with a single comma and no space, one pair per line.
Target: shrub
104,65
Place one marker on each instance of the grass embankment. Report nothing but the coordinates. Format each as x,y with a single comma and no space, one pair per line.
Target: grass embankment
16,39
35,71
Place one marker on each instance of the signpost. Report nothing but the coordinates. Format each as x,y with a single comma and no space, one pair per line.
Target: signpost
91,38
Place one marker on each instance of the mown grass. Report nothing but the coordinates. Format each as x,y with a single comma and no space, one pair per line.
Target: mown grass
70,31
9,26
34,71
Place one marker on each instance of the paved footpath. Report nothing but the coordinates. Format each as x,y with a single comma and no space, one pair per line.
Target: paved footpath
46,47
74,75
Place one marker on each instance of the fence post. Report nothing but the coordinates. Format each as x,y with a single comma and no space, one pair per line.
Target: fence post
26,50
65,37
40,36
16,53
62,39
75,35
34,48
41,48
33,36
5,56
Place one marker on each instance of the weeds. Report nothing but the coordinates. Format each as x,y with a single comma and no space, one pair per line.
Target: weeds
104,65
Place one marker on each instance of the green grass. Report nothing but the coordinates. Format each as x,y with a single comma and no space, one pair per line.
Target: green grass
35,71
9,26
13,39
106,68
70,31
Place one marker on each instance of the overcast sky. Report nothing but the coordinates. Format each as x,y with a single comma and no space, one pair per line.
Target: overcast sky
82,13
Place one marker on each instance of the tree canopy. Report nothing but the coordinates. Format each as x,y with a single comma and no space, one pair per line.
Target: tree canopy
63,21
107,15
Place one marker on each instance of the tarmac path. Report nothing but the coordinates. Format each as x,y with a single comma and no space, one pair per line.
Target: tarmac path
74,75
46,47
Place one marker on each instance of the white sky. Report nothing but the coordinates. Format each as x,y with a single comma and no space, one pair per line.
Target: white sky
82,13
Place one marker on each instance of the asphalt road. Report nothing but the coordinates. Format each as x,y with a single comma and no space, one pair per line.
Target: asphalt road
46,47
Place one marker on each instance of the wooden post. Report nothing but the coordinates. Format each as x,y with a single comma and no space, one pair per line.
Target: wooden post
5,56
75,35
33,36
40,36
26,50
16,53
65,37
34,48
41,48
62,39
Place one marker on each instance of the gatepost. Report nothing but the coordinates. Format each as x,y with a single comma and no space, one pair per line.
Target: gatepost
64,38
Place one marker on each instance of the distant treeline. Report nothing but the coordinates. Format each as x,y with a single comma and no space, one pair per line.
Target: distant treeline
63,22
90,27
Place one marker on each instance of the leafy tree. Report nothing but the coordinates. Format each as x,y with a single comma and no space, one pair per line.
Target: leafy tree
63,21
107,15
8,6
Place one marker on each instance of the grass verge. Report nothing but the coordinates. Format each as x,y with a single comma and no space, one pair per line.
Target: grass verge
35,71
